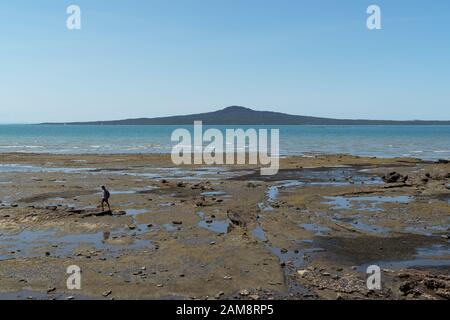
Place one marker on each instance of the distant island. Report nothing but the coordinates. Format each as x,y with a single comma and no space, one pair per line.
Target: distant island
236,115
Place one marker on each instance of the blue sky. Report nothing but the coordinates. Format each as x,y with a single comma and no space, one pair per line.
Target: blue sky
162,57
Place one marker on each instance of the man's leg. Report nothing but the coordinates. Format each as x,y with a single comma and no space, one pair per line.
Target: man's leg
103,208
107,202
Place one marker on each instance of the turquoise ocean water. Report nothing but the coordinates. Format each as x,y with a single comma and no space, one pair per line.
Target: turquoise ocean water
425,142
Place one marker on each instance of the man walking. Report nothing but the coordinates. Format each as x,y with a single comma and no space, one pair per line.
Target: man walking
105,198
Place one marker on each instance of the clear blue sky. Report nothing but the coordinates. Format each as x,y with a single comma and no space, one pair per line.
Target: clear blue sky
162,57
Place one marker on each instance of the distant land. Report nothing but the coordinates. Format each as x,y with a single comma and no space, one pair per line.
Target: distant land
236,115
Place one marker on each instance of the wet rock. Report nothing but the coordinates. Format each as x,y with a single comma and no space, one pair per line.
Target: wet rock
434,284
392,177
119,213
177,222
77,211
443,161
407,287
49,290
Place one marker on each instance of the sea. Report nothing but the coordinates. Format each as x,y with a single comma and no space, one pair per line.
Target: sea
423,142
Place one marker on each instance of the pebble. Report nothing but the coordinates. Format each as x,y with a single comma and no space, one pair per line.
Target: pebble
244,292
106,293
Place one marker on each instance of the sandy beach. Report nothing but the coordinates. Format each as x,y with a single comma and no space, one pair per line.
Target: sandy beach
223,232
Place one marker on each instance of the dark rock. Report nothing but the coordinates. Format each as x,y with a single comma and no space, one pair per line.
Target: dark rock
77,211
237,218
407,287
393,177
434,284
101,214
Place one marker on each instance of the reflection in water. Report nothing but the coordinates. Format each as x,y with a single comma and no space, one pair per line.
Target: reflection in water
364,203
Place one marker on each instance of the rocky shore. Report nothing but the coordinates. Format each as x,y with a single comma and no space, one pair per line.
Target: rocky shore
223,232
